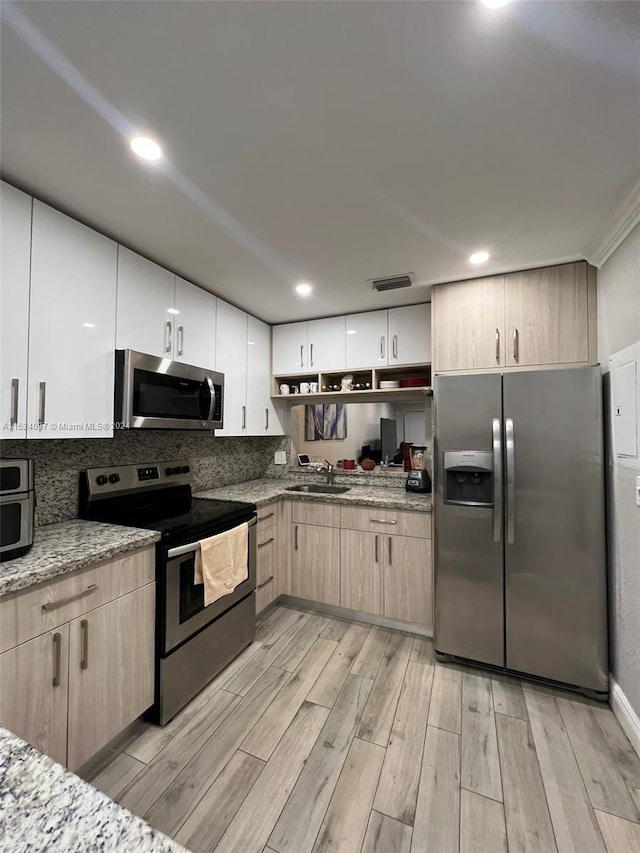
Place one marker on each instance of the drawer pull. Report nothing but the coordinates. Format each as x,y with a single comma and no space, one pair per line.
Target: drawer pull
264,583
55,605
382,521
57,644
266,542
84,630
268,515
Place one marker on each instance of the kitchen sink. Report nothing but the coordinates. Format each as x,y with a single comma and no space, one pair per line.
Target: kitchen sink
315,489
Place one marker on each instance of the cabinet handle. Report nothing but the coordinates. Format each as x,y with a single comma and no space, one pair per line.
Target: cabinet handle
376,547
266,542
395,347
62,602
180,340
268,515
311,355
295,537
15,390
381,348
390,559
167,336
516,345
57,645
301,355
84,630
264,583
244,417
43,403
266,418
498,346
382,521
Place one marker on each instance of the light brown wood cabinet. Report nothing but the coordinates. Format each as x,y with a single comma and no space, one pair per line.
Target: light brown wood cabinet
77,674
536,317
407,579
315,563
361,561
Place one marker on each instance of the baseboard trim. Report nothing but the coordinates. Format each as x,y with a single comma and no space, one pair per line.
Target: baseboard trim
625,714
355,615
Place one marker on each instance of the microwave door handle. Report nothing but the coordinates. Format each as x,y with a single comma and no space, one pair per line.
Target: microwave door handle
212,396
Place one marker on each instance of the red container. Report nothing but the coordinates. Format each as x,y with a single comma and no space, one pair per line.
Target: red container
349,464
415,382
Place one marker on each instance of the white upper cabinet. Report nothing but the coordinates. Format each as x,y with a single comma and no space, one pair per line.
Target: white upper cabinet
290,348
15,224
231,359
366,339
326,344
409,334
145,305
194,325
72,328
262,417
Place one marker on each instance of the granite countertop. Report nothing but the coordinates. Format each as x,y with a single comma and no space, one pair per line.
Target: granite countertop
68,546
265,490
44,807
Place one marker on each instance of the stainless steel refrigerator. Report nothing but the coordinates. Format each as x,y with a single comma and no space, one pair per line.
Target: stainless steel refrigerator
519,536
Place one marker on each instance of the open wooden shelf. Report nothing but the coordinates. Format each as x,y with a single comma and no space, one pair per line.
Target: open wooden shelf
372,395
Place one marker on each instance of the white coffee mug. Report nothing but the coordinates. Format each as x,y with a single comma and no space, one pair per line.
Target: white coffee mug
305,388
313,387
284,389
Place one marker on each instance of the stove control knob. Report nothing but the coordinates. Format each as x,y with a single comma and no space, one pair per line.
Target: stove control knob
168,471
185,469
101,479
114,478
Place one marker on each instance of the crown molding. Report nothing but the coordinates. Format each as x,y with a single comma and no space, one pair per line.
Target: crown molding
623,221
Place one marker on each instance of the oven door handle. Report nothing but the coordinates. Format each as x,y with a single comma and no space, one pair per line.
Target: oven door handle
212,395
193,546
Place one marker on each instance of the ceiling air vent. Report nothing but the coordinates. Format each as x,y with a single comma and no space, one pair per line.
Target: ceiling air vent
392,282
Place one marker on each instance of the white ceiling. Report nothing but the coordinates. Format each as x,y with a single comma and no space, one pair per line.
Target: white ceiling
329,142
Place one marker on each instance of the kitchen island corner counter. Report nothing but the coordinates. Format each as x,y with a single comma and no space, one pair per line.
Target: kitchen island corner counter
44,807
68,546
264,491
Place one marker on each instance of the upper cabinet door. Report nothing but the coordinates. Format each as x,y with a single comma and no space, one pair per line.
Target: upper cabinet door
72,328
547,314
366,339
145,305
262,418
195,325
410,334
290,348
231,359
469,324
15,225
326,342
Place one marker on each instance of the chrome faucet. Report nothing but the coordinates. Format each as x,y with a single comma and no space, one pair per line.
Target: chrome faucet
328,468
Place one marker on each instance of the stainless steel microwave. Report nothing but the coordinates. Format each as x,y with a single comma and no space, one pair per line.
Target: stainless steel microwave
17,507
158,393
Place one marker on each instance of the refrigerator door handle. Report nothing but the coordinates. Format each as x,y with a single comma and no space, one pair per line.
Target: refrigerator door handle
511,477
497,479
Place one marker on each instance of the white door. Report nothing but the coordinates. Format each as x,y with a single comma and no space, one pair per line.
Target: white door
262,418
326,344
72,328
195,325
15,224
146,308
290,349
410,334
231,359
366,339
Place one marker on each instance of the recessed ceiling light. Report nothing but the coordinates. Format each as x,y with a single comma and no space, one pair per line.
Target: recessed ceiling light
351,331
494,4
250,343
146,148
89,325
303,289
172,311
479,257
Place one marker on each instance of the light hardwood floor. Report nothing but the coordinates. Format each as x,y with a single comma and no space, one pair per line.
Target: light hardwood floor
328,736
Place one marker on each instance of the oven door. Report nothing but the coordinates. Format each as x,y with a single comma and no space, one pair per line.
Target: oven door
183,605
157,393
16,523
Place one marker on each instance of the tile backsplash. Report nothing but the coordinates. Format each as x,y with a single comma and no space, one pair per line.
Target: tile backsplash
214,461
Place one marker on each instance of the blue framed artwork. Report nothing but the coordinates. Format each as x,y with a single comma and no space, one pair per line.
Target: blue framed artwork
325,422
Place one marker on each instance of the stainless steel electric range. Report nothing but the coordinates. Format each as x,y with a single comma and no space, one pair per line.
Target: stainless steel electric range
193,642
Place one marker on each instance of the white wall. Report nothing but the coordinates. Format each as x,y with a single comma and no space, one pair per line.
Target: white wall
619,327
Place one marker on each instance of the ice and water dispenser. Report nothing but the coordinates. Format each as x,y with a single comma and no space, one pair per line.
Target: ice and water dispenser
468,477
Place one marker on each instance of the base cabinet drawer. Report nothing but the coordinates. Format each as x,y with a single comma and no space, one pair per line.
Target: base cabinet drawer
391,521
314,512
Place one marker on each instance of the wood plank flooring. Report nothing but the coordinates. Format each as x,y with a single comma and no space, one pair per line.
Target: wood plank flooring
327,736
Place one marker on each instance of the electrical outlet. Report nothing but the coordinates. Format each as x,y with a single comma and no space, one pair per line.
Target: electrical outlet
280,457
